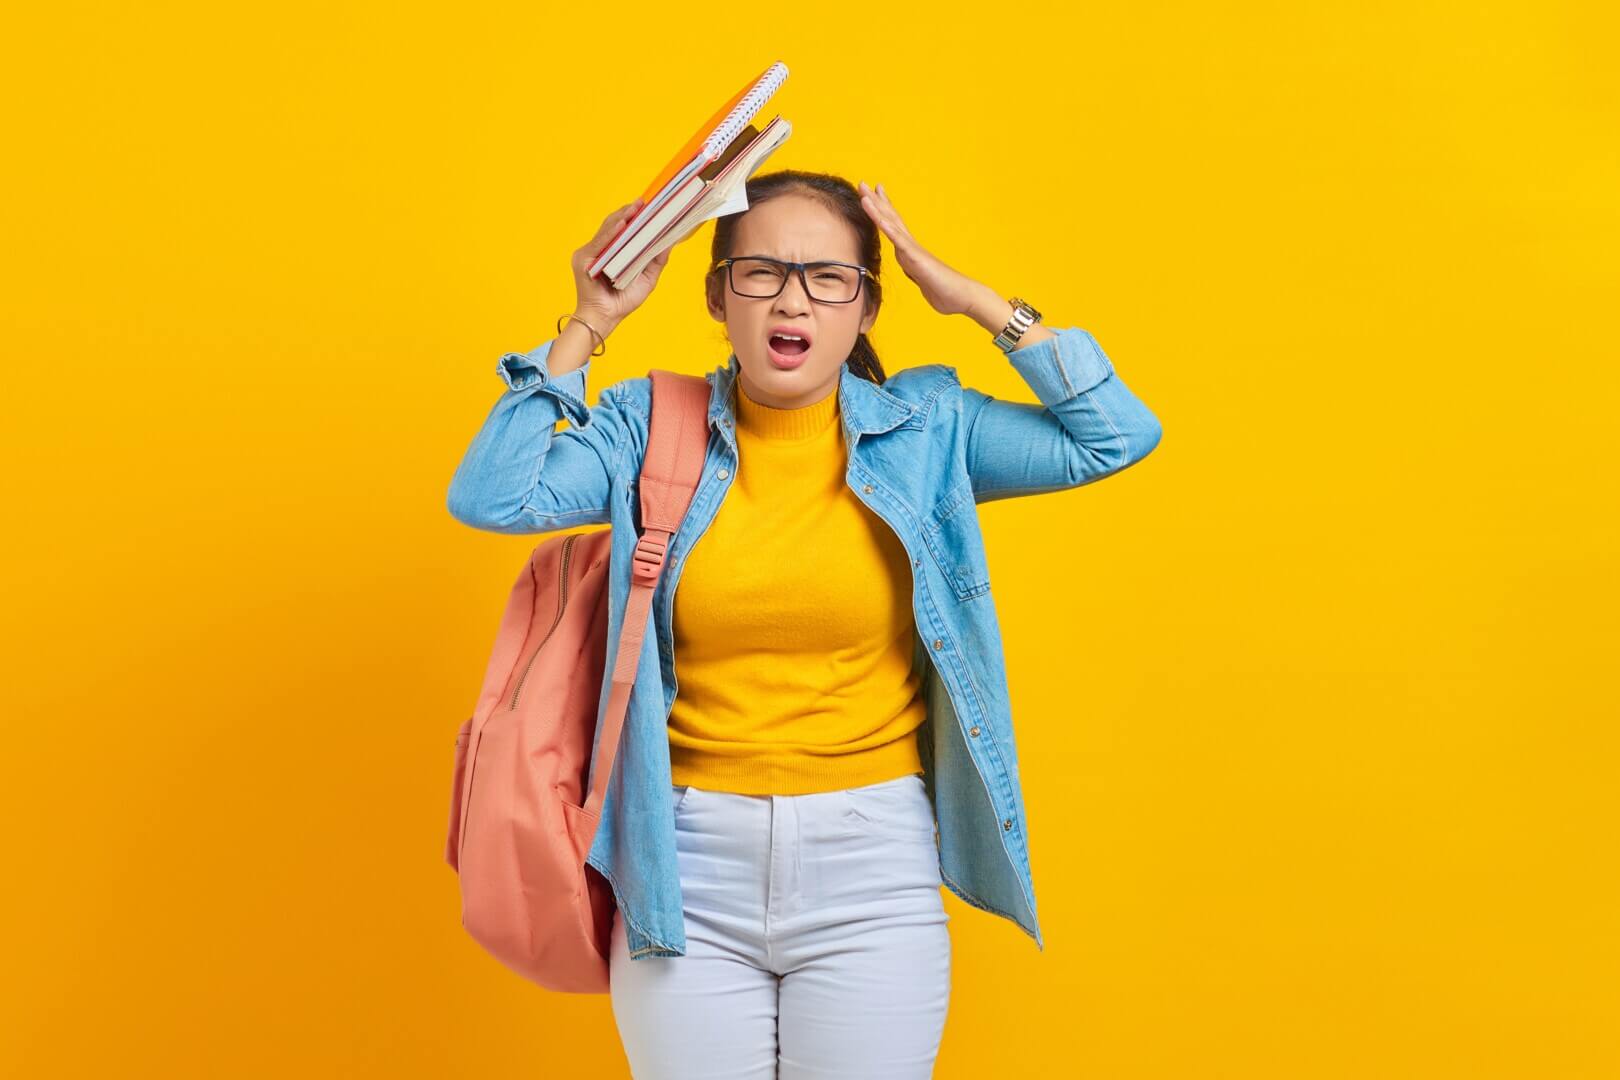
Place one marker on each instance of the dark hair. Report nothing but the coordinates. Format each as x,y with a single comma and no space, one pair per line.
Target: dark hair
843,199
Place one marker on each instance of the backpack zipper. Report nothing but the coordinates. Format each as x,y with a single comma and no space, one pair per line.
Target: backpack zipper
472,749
562,602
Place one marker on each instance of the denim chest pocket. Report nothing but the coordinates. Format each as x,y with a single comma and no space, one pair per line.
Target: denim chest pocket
951,532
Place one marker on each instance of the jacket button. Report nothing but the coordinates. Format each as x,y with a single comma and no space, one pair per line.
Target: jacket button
916,562
722,474
938,644
1007,825
867,488
974,731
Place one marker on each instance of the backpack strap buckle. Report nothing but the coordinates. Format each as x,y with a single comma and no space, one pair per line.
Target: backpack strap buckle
649,557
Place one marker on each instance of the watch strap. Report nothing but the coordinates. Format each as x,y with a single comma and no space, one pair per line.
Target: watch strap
1023,317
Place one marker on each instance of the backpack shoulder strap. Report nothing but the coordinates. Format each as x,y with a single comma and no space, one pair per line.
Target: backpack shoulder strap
677,440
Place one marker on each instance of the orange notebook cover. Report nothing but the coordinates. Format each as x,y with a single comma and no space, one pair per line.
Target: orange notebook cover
686,153
696,145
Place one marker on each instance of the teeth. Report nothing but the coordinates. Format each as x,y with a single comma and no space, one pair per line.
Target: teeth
789,337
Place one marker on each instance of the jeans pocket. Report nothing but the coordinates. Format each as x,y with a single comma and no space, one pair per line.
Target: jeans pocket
896,809
678,794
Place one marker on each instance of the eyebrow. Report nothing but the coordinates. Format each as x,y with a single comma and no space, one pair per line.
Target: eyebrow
778,258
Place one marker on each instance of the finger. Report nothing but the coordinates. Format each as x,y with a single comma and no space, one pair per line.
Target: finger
655,267
879,198
888,204
896,226
869,203
886,219
619,214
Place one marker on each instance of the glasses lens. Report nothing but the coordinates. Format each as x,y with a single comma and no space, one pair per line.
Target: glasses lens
828,284
756,277
833,284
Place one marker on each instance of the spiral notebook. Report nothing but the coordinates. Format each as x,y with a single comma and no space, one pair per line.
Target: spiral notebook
705,179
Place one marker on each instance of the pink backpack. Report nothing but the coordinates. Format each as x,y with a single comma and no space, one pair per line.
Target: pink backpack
525,800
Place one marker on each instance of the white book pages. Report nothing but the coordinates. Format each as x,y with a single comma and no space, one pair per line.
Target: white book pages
736,200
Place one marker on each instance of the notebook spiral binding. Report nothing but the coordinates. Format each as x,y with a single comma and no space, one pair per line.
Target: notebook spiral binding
767,85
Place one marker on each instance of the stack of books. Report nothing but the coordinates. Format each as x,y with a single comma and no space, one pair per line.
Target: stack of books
705,179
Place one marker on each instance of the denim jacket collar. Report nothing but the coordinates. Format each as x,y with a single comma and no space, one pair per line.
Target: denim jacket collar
864,407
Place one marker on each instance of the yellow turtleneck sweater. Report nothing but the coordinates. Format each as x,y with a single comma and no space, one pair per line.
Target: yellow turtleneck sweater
794,635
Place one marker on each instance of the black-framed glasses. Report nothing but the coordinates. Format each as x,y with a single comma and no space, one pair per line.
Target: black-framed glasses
760,277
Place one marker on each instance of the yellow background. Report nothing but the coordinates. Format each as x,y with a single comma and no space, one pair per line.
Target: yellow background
1321,761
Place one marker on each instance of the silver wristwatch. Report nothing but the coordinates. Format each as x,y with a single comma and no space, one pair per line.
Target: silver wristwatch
1023,317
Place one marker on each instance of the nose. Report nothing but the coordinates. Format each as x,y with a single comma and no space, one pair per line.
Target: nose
793,296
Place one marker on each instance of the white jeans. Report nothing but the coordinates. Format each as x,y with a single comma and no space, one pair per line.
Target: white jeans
816,938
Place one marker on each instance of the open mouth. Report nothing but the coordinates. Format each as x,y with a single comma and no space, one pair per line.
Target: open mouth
789,346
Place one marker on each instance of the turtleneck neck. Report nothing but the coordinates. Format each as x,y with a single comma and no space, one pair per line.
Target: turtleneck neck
785,425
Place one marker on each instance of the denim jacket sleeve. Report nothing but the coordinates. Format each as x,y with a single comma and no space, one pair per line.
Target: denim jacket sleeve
521,475
1089,424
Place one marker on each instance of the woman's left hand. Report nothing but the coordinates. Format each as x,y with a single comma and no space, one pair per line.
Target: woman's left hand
948,291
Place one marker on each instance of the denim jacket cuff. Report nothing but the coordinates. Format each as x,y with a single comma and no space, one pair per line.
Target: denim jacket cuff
526,371
1063,366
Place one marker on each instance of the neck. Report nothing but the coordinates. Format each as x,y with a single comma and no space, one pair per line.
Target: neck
793,424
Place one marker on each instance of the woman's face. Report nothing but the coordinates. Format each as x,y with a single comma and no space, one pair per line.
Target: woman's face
794,228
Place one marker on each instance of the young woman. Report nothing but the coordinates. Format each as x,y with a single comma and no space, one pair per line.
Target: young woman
841,747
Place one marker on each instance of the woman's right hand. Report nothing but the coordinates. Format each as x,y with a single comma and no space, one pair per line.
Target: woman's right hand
598,302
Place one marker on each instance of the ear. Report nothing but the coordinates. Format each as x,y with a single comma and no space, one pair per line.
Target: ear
868,319
712,290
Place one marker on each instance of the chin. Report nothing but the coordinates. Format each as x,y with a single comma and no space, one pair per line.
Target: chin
763,373
764,370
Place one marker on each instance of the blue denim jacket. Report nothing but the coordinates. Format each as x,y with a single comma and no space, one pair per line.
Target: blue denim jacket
923,450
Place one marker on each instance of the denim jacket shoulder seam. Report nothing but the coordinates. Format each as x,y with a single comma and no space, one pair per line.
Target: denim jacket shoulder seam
926,406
